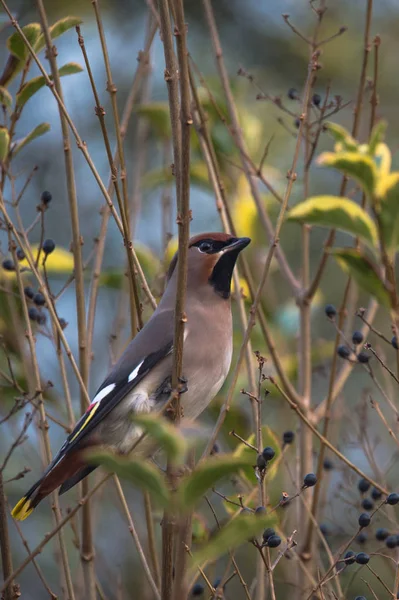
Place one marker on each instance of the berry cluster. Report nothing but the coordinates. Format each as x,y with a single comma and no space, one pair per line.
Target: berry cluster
344,350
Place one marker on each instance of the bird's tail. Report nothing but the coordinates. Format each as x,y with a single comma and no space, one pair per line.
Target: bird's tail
27,504
64,472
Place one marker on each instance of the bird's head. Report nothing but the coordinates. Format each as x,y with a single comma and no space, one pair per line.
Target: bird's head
211,260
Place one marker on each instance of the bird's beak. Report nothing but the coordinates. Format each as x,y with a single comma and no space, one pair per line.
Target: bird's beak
237,244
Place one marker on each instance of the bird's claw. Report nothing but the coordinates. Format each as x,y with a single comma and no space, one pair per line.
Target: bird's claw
183,385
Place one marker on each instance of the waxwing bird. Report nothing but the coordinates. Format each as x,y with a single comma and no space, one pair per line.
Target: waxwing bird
140,382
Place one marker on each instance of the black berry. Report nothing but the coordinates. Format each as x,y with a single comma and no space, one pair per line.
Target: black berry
292,94
363,485
376,494
390,542
48,246
20,254
64,325
309,480
215,448
367,504
41,319
364,520
217,582
33,313
350,557
393,499
198,590
268,533
288,437
360,598
357,337
381,534
363,357
268,453
46,198
39,299
343,351
394,342
261,510
316,99
361,538
328,465
330,311
325,530
29,292
261,462
362,558
8,264
297,123
274,541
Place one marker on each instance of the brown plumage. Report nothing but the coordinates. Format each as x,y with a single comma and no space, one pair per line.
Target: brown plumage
140,381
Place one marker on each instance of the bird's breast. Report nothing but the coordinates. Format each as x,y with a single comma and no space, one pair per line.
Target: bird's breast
207,354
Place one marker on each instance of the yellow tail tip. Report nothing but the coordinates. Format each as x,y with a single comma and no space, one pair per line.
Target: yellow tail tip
22,509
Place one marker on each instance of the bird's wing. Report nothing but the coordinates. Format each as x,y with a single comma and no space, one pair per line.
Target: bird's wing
147,349
108,396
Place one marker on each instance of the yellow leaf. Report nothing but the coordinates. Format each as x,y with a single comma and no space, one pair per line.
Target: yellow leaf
360,167
243,287
171,249
4,143
59,261
335,211
383,159
244,211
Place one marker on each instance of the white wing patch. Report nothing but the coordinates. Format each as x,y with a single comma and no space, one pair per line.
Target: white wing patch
133,374
102,393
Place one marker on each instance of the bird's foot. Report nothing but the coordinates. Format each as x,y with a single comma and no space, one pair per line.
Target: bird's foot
183,385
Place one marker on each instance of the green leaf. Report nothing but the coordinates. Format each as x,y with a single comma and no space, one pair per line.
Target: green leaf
34,85
70,69
4,143
269,439
16,44
364,272
58,29
165,434
206,475
342,137
158,115
340,213
236,532
112,279
388,198
12,67
360,167
35,133
29,89
144,475
5,97
377,136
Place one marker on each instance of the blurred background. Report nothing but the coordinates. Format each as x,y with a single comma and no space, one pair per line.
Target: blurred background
254,38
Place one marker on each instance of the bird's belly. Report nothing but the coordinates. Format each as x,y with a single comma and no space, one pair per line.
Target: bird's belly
118,430
203,385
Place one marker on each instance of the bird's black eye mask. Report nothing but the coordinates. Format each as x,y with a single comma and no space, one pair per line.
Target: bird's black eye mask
209,246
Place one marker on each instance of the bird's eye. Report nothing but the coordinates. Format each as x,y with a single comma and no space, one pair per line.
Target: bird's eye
205,247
